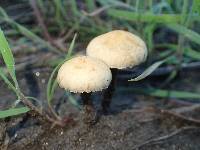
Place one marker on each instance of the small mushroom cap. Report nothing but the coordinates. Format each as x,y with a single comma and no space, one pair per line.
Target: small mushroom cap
119,49
84,74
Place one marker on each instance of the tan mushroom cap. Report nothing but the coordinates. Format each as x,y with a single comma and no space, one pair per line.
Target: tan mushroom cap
84,74
119,49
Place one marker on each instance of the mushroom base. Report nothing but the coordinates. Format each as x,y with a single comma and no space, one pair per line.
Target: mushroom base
86,98
90,115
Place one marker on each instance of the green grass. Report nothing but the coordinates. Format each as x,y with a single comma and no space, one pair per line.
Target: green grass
13,83
52,83
162,93
13,112
148,71
9,62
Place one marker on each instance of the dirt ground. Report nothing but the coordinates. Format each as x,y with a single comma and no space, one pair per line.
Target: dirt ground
132,125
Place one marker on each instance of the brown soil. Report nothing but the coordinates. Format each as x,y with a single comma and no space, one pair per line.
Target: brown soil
126,130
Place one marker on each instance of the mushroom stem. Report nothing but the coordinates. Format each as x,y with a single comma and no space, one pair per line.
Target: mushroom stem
107,97
86,98
88,108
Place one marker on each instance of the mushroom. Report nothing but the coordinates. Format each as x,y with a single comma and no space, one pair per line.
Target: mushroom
84,74
119,50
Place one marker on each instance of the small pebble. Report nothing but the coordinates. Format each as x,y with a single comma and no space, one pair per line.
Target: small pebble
37,74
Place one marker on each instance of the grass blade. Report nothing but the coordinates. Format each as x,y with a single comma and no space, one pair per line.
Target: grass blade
187,51
69,52
7,54
13,112
72,100
8,57
191,35
163,93
5,79
192,53
74,7
148,17
148,71
90,4
58,13
172,94
52,82
196,6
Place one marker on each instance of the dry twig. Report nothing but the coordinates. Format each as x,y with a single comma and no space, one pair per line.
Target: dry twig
181,117
187,109
43,26
165,137
40,20
170,113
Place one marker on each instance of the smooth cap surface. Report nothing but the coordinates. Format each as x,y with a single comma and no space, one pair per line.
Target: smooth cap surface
119,49
84,74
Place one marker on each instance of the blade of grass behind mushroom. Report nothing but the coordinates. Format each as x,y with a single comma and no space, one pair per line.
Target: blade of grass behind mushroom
150,69
72,100
52,82
59,11
90,5
6,80
74,8
190,34
148,17
162,93
187,51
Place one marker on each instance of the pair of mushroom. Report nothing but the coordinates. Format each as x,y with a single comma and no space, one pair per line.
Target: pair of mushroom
97,71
